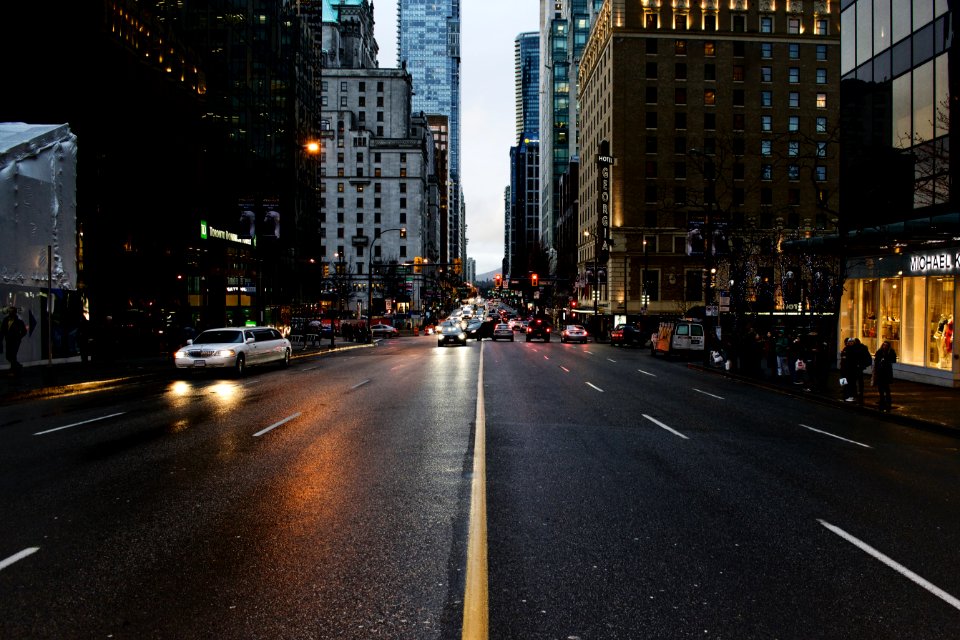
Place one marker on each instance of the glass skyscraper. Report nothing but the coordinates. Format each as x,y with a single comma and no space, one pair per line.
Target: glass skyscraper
428,44
527,85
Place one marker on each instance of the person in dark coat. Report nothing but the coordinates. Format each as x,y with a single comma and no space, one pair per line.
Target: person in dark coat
12,331
863,360
849,369
883,374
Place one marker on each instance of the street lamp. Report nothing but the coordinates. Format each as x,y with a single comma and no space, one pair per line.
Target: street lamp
708,172
403,234
646,271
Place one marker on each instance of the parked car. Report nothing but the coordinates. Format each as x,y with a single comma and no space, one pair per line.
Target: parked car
384,331
234,348
502,332
539,328
627,335
574,333
451,333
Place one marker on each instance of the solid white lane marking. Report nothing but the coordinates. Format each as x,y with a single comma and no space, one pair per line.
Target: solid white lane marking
77,424
590,384
859,444
590,352
647,373
17,557
546,357
611,360
663,426
565,369
359,384
309,369
276,424
896,566
709,394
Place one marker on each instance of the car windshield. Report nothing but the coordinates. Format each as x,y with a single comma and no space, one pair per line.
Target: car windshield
449,328
219,337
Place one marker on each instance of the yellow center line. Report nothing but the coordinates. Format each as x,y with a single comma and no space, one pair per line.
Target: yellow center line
475,602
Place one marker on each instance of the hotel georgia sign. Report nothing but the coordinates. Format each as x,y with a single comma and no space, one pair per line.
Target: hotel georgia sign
927,263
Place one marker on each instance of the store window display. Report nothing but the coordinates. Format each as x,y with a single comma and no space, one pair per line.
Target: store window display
943,340
940,293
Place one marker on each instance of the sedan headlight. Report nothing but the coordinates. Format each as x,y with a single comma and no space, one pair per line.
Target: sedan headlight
226,353
180,354
462,336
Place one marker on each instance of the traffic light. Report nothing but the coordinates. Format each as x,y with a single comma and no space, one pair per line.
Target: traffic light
573,304
534,279
498,280
457,266
418,264
326,270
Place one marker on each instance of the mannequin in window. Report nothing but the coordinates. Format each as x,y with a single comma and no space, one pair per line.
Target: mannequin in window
948,338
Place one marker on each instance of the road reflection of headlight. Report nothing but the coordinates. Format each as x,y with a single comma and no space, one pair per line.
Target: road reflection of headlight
226,392
180,388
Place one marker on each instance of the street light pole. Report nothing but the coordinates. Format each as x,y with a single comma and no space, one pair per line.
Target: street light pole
403,233
646,272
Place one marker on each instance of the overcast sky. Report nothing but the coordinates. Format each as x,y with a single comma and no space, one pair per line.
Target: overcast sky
488,125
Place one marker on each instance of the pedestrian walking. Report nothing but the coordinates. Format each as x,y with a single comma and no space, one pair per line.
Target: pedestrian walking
863,360
883,374
12,330
782,349
849,369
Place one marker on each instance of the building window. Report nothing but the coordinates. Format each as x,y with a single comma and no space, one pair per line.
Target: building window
710,22
766,123
652,46
343,86
680,120
766,98
793,198
821,76
793,50
651,95
739,170
379,116
650,193
738,97
793,26
739,23
821,173
766,148
380,86
709,48
361,101
680,71
376,172
340,187
766,196
680,95
766,50
821,27
651,119
738,73
793,148
793,123
821,101
709,97
680,47
403,203
651,169
821,149
794,100
679,195
709,71
680,21
680,170
766,24
739,120
653,20
680,145
821,52
821,124
766,74
794,75
651,71
403,187
766,172
380,101
651,144
376,203
403,172
793,172
710,121
343,101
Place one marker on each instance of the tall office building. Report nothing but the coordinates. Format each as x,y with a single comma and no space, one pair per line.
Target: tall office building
526,70
707,138
428,46
899,220
564,29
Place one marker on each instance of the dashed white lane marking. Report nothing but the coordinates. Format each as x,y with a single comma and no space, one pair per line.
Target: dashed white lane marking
565,369
611,360
826,433
590,384
896,566
647,373
709,394
276,424
663,426
17,557
77,424
359,384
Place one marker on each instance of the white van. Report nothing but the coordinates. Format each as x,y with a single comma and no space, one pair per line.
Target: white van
680,337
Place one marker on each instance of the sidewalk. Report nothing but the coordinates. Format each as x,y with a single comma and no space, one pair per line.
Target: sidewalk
42,380
914,404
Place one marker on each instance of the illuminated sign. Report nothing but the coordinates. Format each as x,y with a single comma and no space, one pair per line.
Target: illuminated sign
935,262
206,231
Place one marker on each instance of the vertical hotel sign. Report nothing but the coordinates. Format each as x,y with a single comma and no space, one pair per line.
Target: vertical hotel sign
604,168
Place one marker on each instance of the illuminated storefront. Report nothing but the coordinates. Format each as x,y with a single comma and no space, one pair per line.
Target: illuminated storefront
910,300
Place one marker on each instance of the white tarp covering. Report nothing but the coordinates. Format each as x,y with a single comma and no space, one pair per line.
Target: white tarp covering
38,205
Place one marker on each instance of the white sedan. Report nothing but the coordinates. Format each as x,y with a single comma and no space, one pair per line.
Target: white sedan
384,331
233,348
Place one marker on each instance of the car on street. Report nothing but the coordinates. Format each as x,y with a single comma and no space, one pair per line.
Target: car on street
478,329
627,335
384,331
233,348
502,332
574,333
539,328
450,333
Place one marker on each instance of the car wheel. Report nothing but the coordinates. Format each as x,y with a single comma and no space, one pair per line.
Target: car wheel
286,357
240,366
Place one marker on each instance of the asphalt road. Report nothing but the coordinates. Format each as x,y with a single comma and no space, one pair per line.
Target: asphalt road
627,497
